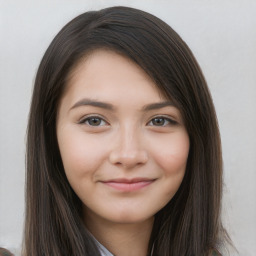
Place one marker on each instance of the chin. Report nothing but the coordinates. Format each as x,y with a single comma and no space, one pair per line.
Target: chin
129,217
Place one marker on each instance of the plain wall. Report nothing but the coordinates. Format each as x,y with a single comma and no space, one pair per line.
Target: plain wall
221,34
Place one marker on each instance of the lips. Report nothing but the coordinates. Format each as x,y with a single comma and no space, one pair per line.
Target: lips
128,185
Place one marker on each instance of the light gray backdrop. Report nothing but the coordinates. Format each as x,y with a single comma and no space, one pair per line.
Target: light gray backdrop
222,35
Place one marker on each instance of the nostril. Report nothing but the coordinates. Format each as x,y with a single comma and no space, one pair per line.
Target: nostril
128,160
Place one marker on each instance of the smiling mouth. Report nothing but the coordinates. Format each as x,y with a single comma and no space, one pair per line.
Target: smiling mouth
126,185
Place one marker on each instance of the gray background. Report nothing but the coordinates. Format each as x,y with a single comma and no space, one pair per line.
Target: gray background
222,35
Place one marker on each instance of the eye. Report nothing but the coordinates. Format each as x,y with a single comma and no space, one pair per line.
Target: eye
161,121
93,121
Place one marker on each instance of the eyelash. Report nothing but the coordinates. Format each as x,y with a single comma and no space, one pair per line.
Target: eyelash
167,121
88,118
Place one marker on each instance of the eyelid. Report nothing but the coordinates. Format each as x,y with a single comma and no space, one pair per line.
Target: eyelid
171,120
84,118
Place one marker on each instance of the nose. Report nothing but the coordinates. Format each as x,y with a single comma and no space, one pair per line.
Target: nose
128,150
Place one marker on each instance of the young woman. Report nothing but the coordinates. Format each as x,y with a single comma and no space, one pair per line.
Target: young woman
123,148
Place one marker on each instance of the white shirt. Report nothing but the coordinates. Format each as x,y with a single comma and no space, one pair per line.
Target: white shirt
103,250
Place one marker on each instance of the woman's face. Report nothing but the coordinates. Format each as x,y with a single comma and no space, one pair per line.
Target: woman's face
124,147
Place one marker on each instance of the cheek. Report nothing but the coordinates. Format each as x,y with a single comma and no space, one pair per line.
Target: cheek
173,153
171,156
81,155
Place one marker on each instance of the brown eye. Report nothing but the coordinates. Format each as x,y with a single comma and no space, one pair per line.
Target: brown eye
93,121
161,121
158,121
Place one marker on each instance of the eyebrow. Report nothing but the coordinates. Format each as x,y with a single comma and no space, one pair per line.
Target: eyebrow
108,106
94,103
158,105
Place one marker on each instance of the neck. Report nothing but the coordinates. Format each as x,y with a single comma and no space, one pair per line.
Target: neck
129,239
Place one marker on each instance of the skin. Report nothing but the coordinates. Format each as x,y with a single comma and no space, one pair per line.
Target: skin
132,137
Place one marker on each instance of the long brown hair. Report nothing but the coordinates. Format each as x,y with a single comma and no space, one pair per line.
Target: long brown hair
190,223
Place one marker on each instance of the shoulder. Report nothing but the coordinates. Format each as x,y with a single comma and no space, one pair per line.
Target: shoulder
215,253
5,252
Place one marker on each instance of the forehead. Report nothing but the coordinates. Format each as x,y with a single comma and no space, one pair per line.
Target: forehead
105,72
